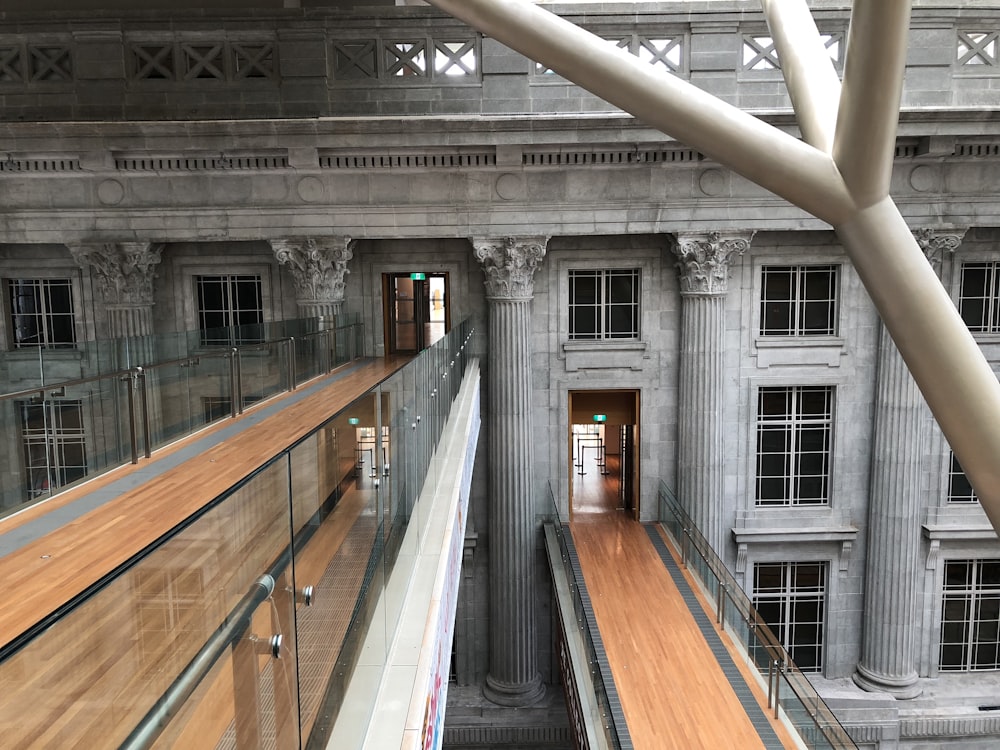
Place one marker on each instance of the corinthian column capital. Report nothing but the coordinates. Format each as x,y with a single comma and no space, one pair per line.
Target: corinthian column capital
703,259
509,264
938,243
124,270
317,266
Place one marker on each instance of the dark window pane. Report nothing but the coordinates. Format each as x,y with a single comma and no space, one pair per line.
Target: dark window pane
773,440
990,573
772,465
583,291
774,402
814,401
772,488
776,319
584,322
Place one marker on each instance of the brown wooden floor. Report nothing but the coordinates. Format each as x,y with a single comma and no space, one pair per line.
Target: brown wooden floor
672,689
50,571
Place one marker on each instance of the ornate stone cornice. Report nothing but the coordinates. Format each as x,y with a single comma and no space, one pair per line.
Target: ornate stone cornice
317,265
937,243
703,259
509,264
124,270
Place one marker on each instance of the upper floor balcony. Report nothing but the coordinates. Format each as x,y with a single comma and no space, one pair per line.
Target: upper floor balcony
383,60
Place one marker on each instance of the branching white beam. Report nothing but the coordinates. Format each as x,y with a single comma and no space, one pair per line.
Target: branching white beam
947,364
810,76
773,159
865,142
943,357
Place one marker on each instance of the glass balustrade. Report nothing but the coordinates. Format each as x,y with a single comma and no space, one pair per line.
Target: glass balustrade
550,515
790,694
123,399
243,626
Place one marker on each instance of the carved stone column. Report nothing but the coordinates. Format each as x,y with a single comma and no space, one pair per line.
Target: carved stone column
703,261
509,265
317,266
889,646
124,273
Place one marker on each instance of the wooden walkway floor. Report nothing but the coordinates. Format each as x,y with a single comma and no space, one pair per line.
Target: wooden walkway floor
51,570
672,687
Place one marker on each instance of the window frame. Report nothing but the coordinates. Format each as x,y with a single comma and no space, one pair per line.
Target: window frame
797,302
604,304
234,338
989,318
794,425
53,439
44,283
972,595
960,490
788,598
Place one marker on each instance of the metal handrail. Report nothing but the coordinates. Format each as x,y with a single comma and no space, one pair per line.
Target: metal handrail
780,662
233,627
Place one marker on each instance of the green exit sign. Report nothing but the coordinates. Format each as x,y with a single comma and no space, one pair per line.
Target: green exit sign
418,276
353,420
600,417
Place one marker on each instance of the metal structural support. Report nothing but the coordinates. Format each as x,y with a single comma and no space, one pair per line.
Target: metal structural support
847,189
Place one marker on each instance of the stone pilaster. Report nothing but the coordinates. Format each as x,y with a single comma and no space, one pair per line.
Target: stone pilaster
124,273
890,629
509,265
703,261
317,266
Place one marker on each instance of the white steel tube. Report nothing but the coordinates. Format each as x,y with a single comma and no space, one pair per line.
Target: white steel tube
865,142
810,76
773,159
945,360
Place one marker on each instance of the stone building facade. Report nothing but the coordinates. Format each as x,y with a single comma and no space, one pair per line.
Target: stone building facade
312,152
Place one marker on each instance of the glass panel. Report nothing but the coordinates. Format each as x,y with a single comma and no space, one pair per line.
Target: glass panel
790,595
162,612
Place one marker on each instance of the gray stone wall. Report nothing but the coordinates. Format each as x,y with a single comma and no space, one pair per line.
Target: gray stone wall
124,64
216,155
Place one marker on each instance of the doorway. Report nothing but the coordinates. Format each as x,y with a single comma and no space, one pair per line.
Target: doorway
604,454
416,310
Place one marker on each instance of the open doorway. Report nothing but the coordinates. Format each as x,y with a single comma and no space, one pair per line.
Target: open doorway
604,454
416,310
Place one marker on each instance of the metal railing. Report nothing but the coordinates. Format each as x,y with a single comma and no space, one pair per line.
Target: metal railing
213,614
788,689
617,736
78,428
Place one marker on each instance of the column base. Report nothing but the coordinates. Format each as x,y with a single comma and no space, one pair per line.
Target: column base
515,695
901,688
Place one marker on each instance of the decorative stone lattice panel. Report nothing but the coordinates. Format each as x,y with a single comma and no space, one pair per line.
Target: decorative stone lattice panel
760,54
202,60
667,51
26,63
978,51
412,60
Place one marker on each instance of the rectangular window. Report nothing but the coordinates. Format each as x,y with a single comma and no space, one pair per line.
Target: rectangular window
970,616
959,488
604,304
794,438
230,309
54,445
791,598
42,313
798,301
978,299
